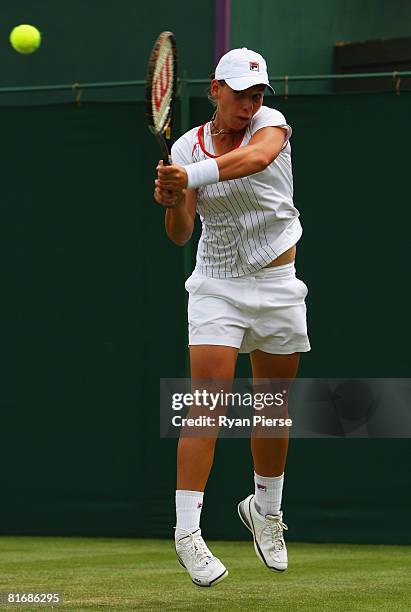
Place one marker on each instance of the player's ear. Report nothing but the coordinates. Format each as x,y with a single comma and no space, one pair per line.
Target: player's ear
214,89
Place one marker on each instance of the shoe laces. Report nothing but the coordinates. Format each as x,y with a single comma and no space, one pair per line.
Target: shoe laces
275,528
198,547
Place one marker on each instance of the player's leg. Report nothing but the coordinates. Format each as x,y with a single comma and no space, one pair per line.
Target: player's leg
194,461
269,454
195,455
261,512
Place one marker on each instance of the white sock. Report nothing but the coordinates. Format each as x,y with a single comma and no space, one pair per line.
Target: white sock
188,511
268,493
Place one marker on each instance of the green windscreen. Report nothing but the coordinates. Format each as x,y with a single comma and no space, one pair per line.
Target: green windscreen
94,313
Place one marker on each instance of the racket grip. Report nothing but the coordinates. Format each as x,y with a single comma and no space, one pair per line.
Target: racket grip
167,162
165,151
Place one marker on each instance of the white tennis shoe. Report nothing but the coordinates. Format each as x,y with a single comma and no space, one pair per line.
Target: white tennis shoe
192,553
267,533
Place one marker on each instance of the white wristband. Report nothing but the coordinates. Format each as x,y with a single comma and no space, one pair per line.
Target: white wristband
202,173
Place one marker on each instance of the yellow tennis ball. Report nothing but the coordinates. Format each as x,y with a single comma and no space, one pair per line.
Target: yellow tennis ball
25,38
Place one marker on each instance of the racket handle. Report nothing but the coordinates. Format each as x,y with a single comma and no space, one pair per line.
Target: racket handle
165,151
166,155
166,160
167,142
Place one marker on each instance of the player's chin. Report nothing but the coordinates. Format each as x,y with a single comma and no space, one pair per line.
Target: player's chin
239,123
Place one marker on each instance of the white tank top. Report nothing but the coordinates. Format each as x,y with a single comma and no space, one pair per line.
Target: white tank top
246,222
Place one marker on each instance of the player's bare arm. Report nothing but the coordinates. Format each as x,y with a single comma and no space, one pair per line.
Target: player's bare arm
263,148
179,218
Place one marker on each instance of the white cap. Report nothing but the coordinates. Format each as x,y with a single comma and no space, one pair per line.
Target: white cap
242,68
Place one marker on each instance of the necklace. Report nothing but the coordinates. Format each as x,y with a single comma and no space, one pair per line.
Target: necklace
218,132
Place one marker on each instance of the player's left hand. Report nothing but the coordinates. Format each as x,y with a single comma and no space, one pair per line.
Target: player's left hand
172,177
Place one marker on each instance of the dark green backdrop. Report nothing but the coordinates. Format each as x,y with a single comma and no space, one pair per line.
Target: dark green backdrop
298,37
101,41
93,314
110,41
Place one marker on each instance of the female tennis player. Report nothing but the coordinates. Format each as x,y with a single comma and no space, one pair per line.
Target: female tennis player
244,296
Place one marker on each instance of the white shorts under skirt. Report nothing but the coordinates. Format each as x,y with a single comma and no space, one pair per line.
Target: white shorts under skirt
263,310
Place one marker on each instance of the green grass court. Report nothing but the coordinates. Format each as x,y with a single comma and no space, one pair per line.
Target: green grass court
127,574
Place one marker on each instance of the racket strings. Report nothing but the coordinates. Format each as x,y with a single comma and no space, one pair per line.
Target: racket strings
162,85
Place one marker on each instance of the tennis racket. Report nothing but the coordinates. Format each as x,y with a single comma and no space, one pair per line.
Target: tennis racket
161,91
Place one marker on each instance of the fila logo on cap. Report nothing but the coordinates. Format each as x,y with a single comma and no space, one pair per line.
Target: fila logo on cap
255,66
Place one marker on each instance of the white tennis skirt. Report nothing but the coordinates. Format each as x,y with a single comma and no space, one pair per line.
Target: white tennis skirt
263,310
